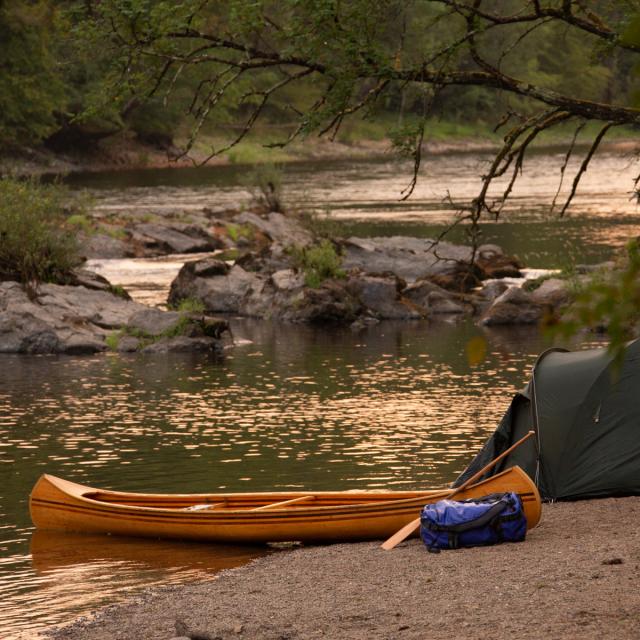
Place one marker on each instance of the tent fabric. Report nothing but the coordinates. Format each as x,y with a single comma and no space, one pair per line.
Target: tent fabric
585,410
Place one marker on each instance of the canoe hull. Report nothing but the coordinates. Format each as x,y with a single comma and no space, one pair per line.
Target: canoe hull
319,517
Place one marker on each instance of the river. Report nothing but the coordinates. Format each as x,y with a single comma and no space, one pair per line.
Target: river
398,406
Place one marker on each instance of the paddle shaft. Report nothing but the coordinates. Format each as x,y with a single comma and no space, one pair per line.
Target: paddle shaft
408,529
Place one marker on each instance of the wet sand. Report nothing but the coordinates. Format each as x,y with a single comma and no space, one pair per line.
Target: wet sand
576,576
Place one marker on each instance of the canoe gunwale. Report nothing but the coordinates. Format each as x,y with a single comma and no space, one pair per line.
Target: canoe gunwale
80,492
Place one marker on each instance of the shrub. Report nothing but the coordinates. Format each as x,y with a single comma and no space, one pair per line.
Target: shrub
319,263
34,244
265,183
112,340
80,222
237,231
191,305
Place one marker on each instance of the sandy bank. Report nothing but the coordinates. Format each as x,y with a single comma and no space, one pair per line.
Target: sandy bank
576,576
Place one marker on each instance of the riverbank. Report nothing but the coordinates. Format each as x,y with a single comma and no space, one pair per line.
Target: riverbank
574,576
125,152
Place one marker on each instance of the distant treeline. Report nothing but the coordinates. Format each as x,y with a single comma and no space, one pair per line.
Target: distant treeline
66,81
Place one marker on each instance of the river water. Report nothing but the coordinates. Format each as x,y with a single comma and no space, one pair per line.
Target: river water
398,406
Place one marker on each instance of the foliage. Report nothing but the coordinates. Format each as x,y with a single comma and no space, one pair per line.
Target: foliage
609,302
31,89
113,340
191,305
81,222
265,181
318,262
323,224
237,231
35,246
120,291
181,327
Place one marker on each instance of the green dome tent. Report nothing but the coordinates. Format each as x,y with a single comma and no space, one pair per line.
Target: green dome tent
586,414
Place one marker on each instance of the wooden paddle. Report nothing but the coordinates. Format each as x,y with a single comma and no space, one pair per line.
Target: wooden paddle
408,529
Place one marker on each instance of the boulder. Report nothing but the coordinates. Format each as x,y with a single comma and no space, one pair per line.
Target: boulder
209,267
552,293
284,230
78,344
153,322
82,305
493,289
91,280
439,304
160,239
101,246
75,320
331,303
381,296
494,264
514,306
183,344
128,344
287,280
23,333
413,259
224,293
433,299
267,260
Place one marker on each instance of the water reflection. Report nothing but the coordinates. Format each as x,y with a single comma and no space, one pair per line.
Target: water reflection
291,407
398,406
366,195
80,572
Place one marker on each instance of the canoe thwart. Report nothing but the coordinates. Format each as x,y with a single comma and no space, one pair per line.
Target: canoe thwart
283,503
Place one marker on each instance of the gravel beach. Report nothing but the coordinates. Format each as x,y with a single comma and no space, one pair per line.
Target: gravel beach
576,576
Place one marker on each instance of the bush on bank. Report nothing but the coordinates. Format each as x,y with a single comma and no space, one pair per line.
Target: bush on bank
35,244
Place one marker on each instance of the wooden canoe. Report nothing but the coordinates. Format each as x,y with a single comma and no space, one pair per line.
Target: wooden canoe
324,516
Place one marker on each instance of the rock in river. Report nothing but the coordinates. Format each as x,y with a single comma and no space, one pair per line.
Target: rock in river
160,239
76,320
514,306
415,258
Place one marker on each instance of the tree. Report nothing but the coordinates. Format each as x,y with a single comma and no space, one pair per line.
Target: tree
31,90
352,55
535,65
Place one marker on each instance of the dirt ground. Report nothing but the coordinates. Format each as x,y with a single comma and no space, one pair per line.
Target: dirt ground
576,576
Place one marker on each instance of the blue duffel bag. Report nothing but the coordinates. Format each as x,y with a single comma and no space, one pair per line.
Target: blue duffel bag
450,524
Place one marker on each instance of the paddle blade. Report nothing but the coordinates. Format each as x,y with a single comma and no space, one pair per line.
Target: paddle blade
401,536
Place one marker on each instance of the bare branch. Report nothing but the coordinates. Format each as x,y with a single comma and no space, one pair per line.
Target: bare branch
585,165
567,157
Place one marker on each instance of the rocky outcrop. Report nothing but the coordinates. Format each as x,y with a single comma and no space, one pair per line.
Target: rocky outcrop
552,293
514,306
283,293
331,303
78,320
413,259
161,239
435,300
59,319
383,298
101,245
281,229
224,291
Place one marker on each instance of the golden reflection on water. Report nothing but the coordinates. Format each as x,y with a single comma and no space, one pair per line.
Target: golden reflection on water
80,572
289,407
317,409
